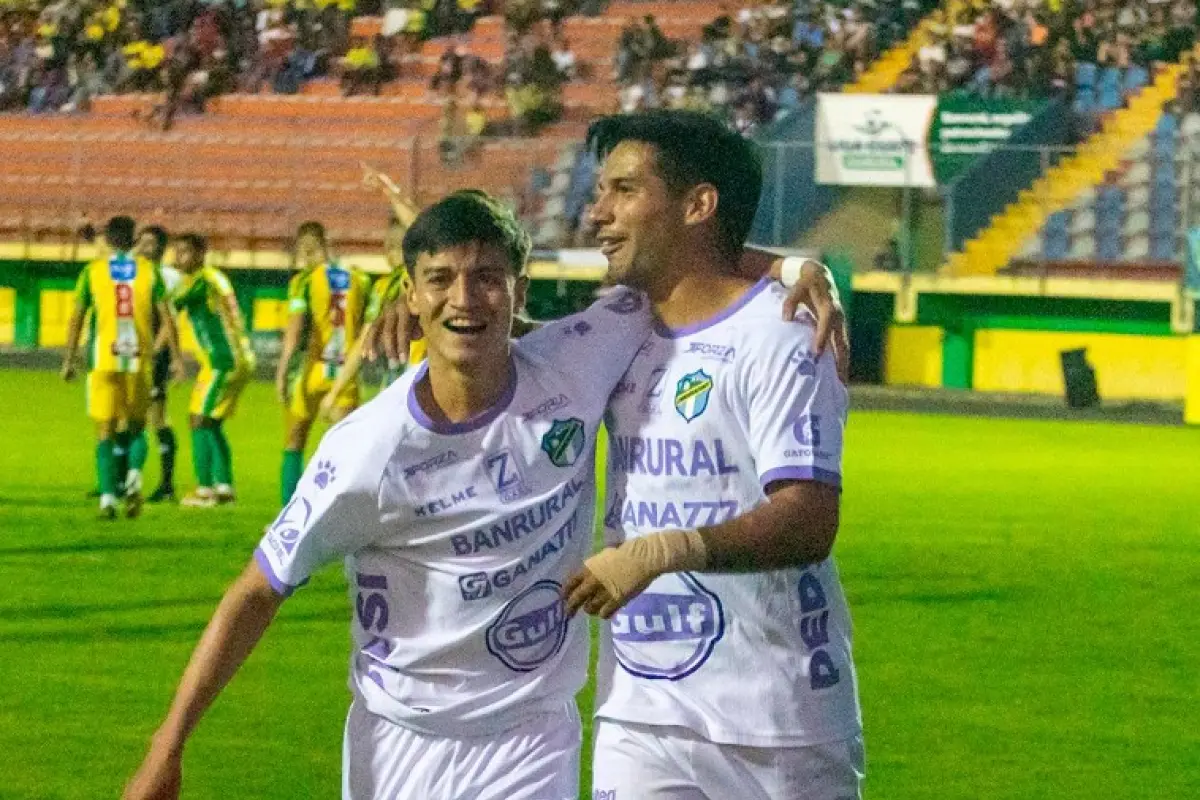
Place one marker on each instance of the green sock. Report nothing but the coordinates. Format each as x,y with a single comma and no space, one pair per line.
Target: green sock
138,450
293,468
222,456
105,469
120,456
202,457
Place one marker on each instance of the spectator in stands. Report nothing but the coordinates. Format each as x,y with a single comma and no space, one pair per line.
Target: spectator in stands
449,71
564,58
363,66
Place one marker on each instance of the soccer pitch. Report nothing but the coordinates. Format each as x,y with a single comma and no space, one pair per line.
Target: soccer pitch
1023,595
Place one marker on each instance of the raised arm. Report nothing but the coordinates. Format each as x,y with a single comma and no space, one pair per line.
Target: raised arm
402,207
235,629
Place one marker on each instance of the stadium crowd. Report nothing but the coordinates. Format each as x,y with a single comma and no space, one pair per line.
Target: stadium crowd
1019,48
761,60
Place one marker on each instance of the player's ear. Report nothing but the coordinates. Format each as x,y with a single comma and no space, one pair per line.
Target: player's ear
700,204
410,297
520,292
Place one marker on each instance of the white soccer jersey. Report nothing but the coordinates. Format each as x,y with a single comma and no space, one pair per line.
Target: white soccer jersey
457,538
705,418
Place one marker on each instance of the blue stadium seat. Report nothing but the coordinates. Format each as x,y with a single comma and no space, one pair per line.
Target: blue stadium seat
1162,248
1135,78
1085,75
1108,247
1110,89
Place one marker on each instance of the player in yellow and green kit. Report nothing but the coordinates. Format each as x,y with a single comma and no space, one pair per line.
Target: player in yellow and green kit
386,291
326,305
123,292
226,364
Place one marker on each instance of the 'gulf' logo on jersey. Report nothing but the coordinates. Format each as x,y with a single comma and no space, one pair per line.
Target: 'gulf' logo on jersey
564,441
691,394
670,630
530,629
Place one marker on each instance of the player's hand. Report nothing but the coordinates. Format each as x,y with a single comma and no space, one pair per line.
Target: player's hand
178,371
68,370
371,177
397,329
158,778
816,291
327,406
584,591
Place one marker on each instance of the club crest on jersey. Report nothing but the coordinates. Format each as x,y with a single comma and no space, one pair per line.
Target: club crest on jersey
691,394
530,629
564,441
670,630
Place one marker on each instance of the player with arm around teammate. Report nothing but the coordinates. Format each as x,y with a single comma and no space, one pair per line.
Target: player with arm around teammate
726,667
460,499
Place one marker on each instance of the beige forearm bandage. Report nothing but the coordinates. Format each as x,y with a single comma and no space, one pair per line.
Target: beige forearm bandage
626,570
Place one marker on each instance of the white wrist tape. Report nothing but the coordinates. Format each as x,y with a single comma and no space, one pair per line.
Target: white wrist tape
789,270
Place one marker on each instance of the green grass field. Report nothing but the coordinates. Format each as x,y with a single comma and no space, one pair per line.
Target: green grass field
1023,594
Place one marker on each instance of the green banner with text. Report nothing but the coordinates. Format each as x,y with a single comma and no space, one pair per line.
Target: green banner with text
966,128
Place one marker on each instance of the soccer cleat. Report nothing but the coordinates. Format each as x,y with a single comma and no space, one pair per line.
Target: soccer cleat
133,494
162,494
108,508
201,497
225,495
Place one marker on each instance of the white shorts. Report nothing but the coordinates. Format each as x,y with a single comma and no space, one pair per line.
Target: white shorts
538,760
643,762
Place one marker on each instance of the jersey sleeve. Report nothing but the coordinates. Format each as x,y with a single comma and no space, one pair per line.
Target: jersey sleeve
83,288
189,293
333,513
597,345
297,299
158,291
794,408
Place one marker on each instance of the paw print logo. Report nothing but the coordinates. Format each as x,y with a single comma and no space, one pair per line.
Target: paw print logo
326,473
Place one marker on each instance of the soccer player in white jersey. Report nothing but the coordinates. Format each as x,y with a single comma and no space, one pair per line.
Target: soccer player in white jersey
461,498
730,675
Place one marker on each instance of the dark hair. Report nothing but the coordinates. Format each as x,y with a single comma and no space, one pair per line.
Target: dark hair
693,148
118,232
198,242
160,238
313,227
467,216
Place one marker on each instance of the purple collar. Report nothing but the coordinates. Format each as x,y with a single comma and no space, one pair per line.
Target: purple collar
467,426
687,330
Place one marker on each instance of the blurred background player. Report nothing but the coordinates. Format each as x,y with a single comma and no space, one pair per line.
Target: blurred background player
388,289
404,213
226,365
123,291
152,245
326,305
